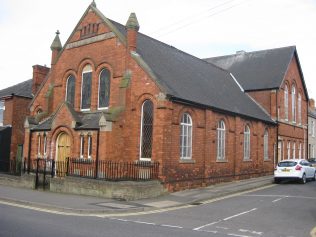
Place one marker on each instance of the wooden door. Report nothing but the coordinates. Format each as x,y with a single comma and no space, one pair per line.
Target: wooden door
63,151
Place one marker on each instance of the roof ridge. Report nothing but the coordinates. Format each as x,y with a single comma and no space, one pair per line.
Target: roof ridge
252,52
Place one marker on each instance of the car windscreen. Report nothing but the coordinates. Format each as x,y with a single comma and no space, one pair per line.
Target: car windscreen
287,164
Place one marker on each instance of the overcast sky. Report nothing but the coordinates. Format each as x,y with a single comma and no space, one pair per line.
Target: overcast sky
203,28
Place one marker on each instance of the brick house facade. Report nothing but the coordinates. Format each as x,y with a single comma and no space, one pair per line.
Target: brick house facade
115,94
14,103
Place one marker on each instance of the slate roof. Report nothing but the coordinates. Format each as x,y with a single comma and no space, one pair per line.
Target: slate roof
43,126
87,121
189,79
258,70
312,113
23,89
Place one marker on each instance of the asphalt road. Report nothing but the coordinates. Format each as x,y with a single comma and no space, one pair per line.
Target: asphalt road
286,210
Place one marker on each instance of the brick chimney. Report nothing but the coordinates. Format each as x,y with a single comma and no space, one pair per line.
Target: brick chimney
132,27
39,74
55,47
311,104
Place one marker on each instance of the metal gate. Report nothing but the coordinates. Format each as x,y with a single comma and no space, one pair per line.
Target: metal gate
44,170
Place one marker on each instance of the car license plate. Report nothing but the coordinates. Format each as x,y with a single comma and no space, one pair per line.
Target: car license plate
286,170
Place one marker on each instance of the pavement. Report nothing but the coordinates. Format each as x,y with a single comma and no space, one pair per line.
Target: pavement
76,204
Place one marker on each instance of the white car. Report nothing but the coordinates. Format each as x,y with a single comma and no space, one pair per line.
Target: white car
299,169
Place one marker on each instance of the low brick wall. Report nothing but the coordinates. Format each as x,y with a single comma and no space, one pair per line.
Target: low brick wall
24,181
124,190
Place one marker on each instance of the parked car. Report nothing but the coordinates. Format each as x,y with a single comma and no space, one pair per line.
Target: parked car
312,161
294,169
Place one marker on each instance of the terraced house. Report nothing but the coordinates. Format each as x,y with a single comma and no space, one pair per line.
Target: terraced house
115,94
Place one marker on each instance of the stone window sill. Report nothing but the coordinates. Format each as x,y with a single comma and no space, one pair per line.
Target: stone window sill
222,161
247,160
186,161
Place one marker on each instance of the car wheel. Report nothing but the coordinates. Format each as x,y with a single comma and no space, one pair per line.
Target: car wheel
303,180
314,178
276,180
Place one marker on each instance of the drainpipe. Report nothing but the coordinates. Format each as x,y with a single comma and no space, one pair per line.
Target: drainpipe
307,138
277,133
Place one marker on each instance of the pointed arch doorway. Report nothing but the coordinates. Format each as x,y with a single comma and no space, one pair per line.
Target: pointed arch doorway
63,148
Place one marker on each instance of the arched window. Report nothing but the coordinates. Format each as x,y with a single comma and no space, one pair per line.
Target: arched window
286,103
221,140
266,145
81,146
146,133
89,146
45,145
70,90
299,106
39,142
186,137
86,88
293,104
104,89
247,143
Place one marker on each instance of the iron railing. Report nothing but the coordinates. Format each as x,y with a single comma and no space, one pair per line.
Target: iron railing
87,168
10,167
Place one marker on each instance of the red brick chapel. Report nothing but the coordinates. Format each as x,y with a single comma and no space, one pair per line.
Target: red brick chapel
113,93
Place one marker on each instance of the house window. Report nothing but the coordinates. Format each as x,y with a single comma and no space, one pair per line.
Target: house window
266,145
247,143
221,140
300,151
294,150
146,133
288,150
2,108
81,146
186,137
311,151
313,128
286,103
45,145
104,89
293,104
70,90
89,146
86,88
39,145
299,105
280,153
